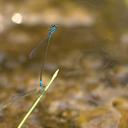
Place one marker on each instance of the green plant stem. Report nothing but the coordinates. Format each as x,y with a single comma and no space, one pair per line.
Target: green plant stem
38,99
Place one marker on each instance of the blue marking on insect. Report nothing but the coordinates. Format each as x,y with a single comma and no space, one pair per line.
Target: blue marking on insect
41,84
52,29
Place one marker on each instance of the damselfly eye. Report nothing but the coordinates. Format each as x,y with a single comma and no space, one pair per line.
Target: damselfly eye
53,25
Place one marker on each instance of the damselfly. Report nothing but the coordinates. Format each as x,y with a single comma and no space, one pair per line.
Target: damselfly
43,46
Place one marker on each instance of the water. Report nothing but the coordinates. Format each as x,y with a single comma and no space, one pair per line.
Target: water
93,34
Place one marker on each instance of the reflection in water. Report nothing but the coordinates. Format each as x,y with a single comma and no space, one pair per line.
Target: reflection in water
17,18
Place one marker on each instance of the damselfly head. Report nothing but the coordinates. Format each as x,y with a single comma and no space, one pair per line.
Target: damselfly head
53,27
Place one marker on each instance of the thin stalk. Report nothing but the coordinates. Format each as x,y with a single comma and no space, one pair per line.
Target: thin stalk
38,100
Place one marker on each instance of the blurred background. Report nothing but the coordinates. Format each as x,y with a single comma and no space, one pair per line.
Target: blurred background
90,48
